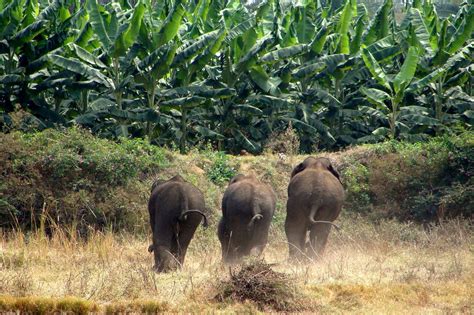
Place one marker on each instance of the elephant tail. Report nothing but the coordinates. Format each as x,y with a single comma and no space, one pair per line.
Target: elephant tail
255,210
183,216
313,221
255,218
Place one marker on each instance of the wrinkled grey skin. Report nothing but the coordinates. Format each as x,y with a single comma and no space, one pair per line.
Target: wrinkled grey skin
315,198
176,209
247,210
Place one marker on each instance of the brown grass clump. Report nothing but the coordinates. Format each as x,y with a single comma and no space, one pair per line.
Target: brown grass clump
257,282
137,307
43,305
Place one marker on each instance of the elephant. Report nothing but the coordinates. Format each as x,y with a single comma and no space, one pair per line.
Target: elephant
247,210
176,209
315,199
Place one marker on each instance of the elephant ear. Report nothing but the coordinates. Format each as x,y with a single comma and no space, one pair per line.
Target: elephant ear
298,168
334,172
236,178
177,178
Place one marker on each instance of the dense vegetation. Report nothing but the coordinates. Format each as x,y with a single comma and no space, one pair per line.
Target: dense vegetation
189,72
77,182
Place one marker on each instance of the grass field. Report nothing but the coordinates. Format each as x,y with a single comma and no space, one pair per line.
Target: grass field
384,267
77,184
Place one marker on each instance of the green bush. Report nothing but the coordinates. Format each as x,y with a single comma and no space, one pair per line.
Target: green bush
74,178
76,154
357,188
220,171
422,181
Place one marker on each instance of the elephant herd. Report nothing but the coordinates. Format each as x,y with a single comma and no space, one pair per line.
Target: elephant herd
315,197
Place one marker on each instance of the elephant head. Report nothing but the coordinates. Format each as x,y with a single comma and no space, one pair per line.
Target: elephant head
241,177
316,163
160,182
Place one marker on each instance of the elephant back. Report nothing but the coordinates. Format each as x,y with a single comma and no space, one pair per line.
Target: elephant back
246,194
315,183
174,197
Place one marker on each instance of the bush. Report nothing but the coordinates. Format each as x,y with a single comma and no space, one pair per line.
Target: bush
419,181
220,171
73,178
357,188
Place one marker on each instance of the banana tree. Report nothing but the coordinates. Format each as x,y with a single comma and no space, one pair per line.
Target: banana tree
442,89
389,93
116,29
28,33
447,50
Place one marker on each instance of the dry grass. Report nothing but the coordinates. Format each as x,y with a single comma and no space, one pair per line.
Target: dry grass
387,267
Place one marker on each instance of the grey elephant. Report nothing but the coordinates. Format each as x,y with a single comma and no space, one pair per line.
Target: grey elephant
315,198
176,209
247,210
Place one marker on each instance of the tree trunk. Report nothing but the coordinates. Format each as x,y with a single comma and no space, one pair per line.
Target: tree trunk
118,96
182,141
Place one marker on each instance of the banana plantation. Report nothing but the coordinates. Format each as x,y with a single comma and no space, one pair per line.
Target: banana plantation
230,74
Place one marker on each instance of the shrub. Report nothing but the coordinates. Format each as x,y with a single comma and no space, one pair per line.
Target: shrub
421,181
220,171
357,188
73,178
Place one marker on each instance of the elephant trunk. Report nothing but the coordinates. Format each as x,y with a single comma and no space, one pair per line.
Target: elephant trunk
183,215
252,221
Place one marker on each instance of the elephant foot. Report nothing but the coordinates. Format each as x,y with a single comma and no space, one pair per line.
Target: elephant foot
257,250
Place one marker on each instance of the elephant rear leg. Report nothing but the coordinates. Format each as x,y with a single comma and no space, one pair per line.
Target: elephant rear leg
296,234
259,238
318,239
185,235
224,238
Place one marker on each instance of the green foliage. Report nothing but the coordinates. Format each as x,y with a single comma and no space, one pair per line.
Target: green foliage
74,179
358,199
181,73
423,181
69,157
220,172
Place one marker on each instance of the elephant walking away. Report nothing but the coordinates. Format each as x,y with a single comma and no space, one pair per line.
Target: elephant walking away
176,209
315,198
247,210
